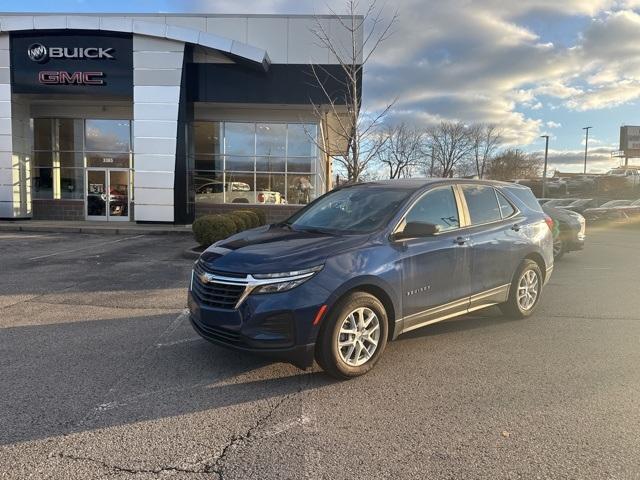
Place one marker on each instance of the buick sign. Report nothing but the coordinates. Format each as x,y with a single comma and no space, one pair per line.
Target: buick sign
40,54
37,53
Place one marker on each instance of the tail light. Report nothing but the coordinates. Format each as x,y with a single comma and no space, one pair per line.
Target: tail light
549,221
261,198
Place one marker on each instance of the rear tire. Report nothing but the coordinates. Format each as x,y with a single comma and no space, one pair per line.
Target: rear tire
353,336
524,292
558,249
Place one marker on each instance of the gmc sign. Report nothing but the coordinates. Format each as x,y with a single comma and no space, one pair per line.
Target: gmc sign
75,78
72,62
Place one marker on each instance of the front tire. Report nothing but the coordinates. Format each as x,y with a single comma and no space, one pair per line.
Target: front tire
524,292
353,336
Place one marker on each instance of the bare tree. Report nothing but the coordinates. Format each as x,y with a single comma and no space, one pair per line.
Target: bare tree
512,164
450,145
486,138
354,141
402,149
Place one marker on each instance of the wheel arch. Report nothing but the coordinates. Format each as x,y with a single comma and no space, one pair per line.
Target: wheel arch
377,288
536,257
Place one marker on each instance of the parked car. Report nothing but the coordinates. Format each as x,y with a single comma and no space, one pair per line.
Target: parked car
580,205
569,231
560,202
631,210
581,184
619,180
554,185
606,211
367,262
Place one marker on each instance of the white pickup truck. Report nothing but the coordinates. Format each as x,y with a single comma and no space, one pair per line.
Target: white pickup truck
630,174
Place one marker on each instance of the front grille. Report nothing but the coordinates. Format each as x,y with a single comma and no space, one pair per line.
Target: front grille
215,294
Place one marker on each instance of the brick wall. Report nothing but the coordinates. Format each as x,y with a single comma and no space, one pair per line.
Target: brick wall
58,209
274,213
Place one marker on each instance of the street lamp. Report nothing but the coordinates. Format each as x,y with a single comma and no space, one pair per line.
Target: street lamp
586,147
544,172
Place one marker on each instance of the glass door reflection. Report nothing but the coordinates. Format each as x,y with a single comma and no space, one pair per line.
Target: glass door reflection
118,194
96,194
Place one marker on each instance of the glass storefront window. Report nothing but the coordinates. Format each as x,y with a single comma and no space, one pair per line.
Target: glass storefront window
300,164
69,134
270,188
263,162
61,146
300,189
239,139
107,135
299,140
206,138
271,139
42,183
246,164
271,164
42,134
71,159
108,159
72,183
208,162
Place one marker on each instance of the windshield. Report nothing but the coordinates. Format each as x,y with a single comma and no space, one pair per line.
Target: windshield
357,209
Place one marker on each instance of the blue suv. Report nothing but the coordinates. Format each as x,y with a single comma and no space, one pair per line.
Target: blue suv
367,262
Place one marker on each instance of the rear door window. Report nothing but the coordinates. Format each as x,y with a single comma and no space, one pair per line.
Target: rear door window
482,204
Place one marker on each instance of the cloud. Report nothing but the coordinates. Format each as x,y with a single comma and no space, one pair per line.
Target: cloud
552,124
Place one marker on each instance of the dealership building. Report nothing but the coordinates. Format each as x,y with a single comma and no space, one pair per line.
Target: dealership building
161,118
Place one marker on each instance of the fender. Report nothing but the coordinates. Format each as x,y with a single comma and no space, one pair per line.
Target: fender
364,281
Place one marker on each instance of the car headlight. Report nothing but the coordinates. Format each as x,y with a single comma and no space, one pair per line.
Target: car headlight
281,282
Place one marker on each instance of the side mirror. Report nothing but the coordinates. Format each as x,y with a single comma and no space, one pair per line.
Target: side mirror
417,230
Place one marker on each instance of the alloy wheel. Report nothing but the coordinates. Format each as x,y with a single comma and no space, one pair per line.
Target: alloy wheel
528,290
359,336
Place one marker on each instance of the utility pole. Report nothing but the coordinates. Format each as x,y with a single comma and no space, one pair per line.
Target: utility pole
544,172
586,147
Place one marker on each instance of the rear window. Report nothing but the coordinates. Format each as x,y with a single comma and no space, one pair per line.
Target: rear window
482,204
525,195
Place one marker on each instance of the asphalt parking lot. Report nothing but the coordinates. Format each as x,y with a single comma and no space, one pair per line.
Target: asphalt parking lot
102,376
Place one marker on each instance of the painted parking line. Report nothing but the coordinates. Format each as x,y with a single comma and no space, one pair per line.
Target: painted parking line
87,247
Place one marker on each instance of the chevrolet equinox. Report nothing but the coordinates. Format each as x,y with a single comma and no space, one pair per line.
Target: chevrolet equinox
368,262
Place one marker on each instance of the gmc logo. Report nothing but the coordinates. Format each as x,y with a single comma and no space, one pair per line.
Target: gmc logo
75,78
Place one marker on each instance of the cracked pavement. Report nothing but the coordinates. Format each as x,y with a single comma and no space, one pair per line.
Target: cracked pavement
103,377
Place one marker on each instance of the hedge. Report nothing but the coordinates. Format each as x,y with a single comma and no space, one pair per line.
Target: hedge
211,228
251,218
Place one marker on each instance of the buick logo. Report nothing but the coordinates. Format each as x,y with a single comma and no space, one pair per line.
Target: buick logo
38,53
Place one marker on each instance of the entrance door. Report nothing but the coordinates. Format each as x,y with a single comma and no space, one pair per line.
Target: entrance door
107,194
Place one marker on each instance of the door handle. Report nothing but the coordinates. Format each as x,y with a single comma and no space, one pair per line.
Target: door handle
461,240
515,228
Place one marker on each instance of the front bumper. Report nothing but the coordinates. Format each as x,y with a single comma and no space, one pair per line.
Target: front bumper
299,355
278,325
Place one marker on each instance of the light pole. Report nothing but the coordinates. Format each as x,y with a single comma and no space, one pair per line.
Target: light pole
586,147
544,172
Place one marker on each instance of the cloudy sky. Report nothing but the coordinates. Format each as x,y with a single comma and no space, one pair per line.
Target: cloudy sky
533,66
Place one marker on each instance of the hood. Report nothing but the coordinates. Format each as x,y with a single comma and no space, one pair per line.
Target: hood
275,248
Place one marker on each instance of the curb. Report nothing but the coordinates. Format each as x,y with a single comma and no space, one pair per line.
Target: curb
92,230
